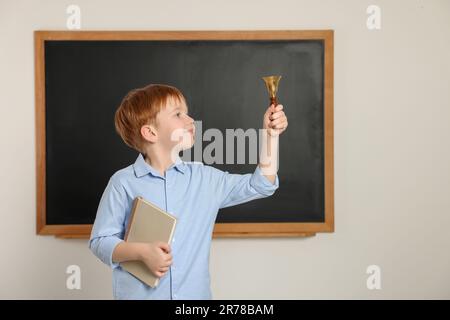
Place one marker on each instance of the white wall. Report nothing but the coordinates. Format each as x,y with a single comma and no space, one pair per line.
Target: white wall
392,155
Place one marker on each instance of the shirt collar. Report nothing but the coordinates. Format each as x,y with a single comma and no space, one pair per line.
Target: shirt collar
142,168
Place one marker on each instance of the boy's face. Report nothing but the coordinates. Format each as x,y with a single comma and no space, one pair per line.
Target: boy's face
174,127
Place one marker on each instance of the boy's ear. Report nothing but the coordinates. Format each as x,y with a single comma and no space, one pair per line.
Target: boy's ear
149,133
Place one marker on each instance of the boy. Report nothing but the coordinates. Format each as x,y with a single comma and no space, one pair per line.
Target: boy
154,120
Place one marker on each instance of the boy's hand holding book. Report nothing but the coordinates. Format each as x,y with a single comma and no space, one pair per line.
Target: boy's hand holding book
156,256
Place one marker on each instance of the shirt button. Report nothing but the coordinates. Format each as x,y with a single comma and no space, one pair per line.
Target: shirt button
173,240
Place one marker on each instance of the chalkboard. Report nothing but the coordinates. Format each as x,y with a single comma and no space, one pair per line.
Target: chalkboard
81,78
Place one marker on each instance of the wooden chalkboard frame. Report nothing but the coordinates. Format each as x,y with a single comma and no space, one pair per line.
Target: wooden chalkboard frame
220,229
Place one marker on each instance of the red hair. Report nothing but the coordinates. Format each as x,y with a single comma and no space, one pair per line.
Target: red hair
140,107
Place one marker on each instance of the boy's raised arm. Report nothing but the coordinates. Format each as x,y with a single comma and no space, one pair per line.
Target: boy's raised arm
274,123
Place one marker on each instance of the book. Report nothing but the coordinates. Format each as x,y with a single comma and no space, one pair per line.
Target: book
147,223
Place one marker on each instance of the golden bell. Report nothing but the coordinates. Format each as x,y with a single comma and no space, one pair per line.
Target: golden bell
272,87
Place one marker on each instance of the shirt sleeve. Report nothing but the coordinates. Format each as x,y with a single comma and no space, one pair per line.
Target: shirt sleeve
108,229
235,189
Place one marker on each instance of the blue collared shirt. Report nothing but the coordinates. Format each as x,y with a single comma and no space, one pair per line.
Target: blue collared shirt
190,191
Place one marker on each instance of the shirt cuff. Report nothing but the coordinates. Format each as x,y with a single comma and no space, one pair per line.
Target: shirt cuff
103,248
262,184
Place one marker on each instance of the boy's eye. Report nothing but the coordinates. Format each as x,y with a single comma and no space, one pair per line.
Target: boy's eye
178,114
